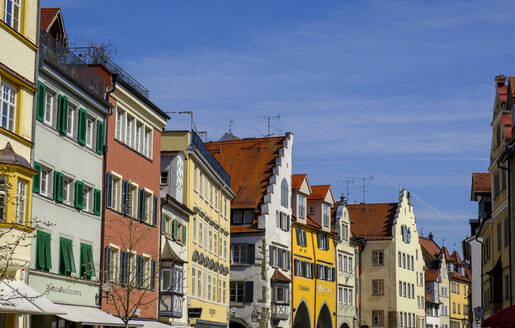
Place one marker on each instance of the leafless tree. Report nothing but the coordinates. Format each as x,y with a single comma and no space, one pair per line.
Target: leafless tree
130,289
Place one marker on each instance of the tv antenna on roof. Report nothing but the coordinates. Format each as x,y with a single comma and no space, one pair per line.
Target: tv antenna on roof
190,113
230,126
268,118
347,181
364,183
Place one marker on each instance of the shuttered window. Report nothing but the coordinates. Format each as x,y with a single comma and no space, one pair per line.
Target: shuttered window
62,114
100,137
40,111
66,259
43,254
58,186
87,265
97,201
81,127
36,184
79,194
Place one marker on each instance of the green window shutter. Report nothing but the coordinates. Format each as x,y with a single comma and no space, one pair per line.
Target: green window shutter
97,199
184,235
82,260
56,185
64,258
36,184
81,133
91,263
64,115
79,195
40,111
40,250
59,112
48,255
70,255
100,137
175,226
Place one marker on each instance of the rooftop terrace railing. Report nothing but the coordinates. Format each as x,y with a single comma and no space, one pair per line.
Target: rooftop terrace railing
60,55
96,56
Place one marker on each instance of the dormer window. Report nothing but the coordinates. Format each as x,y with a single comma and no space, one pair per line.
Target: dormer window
326,214
242,217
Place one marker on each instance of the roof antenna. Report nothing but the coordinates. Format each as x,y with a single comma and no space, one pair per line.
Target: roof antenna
364,184
268,118
190,113
230,126
347,181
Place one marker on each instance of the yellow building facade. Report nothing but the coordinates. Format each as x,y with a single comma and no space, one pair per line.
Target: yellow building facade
207,193
459,287
314,272
18,40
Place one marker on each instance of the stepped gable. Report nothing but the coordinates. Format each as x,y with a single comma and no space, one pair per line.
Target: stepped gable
372,221
250,162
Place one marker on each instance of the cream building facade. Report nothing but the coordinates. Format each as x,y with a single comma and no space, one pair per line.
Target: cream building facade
390,262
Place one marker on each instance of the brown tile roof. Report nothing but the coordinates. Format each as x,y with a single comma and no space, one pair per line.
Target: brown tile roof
458,276
297,179
244,228
313,223
456,257
278,276
372,221
506,120
319,192
430,246
249,162
47,17
431,275
481,182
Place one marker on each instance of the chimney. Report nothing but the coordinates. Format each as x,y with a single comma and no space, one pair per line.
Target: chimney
500,80
430,236
342,199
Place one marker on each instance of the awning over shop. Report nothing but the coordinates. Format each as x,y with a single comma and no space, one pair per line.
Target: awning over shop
91,316
18,297
502,319
153,324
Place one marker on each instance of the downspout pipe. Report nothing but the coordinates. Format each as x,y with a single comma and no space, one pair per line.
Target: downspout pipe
104,167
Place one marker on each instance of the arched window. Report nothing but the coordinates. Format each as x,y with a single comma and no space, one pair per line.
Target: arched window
284,193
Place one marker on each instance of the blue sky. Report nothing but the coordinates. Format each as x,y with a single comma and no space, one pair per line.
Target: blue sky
400,90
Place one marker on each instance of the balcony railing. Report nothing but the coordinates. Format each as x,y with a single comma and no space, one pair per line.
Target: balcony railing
280,311
197,143
96,56
58,54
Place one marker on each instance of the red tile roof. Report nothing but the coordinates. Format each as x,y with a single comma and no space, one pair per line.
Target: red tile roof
372,221
456,275
249,162
481,182
456,257
278,276
313,223
47,17
297,179
446,253
506,120
430,246
431,275
319,192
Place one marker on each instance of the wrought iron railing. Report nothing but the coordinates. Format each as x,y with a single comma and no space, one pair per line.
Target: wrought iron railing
197,143
96,56
57,53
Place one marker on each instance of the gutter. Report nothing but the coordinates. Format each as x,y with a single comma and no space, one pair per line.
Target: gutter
104,167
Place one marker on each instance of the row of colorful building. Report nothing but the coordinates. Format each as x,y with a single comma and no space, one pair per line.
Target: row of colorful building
109,220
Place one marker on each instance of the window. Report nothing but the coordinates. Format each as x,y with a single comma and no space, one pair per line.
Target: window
115,193
399,259
119,124
200,227
377,287
147,143
68,191
66,259
224,291
87,265
210,239
49,107
345,231
148,207
237,292
12,12
112,263
215,241
340,294
326,214
21,204
283,221
281,294
199,282
129,128
164,178
88,199
132,202
45,184
302,206
301,237
89,132
70,119
8,105
239,253
219,299
378,318
323,241
284,193
193,281
377,258
340,262
225,248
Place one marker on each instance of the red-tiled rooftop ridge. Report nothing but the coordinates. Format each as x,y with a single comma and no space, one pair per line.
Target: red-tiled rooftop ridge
372,221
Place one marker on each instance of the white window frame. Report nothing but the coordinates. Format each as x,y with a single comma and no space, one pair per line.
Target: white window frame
49,107
21,201
68,195
120,118
90,127
14,22
8,97
70,120
129,129
115,193
88,198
